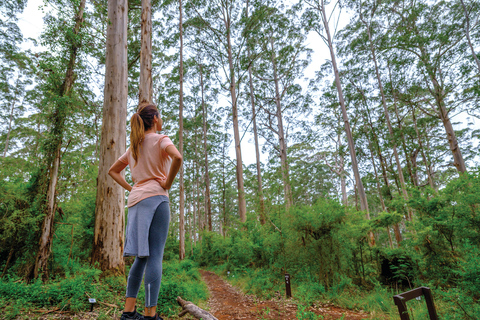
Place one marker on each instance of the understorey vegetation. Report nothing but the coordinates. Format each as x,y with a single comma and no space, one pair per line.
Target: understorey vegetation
336,141
324,247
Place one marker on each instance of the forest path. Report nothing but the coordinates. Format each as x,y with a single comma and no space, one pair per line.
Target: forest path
228,303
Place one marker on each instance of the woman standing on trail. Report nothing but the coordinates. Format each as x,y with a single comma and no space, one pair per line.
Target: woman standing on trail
154,162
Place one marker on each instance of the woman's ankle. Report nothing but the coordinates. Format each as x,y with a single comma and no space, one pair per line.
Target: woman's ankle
130,305
150,311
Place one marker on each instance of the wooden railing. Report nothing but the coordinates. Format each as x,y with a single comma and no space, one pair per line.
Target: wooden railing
401,299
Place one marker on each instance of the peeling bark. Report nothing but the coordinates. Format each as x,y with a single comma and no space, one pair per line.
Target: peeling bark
110,201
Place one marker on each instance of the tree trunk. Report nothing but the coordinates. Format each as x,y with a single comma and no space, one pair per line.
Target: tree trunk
145,88
255,135
110,202
10,255
379,189
458,161
180,143
224,199
197,173
194,223
382,201
201,223
205,147
242,205
439,94
387,118
53,168
351,147
400,127
281,137
422,150
45,246
341,172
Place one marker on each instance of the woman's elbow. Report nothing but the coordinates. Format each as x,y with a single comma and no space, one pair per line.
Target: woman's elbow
179,158
112,171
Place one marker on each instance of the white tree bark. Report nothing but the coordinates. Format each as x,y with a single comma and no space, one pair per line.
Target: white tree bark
281,136
110,202
255,135
180,134
208,204
242,205
145,88
361,191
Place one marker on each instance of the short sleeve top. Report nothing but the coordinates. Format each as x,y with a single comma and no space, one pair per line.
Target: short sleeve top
152,167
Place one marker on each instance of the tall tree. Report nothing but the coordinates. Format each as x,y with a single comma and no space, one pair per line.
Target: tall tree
110,201
373,51
53,149
205,148
282,59
427,32
180,143
318,8
218,21
254,127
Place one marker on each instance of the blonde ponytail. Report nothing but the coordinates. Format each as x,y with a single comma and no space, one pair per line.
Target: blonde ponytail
137,134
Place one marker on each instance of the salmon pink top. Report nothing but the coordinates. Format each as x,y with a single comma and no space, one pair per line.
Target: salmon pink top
152,167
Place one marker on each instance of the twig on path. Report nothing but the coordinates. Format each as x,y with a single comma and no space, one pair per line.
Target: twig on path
198,313
43,311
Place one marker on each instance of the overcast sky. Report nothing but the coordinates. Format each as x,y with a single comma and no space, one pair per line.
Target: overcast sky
31,25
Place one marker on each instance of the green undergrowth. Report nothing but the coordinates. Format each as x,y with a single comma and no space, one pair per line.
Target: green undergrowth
19,300
377,302
325,248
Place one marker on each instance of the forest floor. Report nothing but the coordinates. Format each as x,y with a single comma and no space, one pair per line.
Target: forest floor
228,303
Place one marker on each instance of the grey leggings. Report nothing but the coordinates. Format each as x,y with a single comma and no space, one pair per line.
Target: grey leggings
151,265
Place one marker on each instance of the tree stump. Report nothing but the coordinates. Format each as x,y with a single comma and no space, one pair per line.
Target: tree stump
195,311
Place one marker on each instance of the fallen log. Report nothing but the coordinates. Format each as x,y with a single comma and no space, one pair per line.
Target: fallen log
195,311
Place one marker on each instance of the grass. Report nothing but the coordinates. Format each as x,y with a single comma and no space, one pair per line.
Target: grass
69,296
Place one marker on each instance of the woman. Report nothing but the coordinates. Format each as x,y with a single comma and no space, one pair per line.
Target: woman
154,162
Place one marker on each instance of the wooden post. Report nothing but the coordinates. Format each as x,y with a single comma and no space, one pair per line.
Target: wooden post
401,299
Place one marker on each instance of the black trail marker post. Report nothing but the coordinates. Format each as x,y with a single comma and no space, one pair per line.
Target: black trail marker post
287,285
92,303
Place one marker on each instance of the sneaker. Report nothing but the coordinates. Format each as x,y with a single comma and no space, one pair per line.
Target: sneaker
131,315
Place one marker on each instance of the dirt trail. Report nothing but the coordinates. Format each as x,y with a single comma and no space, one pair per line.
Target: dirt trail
228,303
